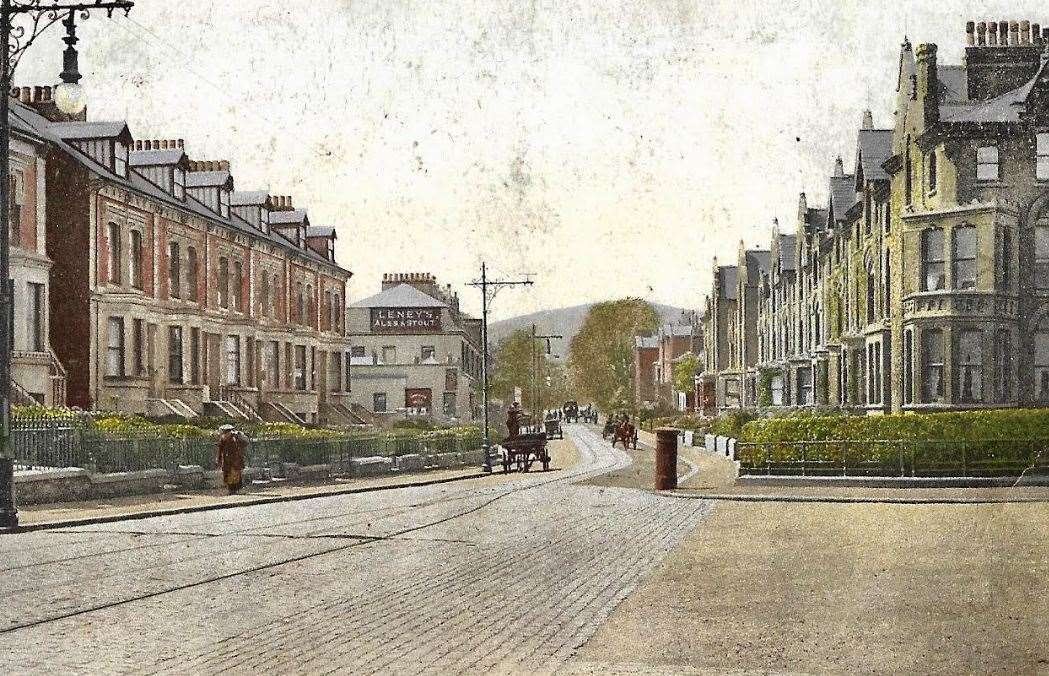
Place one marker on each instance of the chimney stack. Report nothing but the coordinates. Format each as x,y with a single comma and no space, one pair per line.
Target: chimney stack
839,168
981,33
970,37
928,82
868,120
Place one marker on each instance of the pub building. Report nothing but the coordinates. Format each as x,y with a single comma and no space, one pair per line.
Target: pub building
413,353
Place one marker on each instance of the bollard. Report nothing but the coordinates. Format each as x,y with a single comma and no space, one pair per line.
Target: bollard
666,459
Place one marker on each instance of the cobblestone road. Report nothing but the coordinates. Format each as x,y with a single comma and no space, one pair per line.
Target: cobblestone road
508,577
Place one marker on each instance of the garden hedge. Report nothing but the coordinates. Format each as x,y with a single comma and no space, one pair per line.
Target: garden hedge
983,425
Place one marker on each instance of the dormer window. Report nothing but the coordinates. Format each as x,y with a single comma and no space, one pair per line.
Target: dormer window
224,202
120,156
178,183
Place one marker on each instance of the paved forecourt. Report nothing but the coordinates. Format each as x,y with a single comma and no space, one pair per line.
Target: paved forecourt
503,576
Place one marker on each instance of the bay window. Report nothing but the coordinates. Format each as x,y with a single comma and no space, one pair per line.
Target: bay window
933,276
965,257
970,367
932,371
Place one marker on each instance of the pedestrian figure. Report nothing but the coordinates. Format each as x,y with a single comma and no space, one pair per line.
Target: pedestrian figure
230,457
513,420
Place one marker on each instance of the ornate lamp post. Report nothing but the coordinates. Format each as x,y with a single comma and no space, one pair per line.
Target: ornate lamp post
36,17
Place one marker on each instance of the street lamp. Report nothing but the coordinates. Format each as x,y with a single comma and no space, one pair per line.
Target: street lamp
37,16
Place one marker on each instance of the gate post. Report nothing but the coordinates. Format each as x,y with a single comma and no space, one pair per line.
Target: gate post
666,459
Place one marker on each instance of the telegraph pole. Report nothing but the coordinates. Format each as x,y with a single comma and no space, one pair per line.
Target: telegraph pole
489,286
537,385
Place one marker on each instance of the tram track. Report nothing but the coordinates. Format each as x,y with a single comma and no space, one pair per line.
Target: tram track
589,466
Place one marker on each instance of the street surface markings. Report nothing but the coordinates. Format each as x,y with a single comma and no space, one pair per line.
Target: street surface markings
368,583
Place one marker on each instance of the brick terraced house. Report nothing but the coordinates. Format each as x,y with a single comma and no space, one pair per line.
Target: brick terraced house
923,284
173,293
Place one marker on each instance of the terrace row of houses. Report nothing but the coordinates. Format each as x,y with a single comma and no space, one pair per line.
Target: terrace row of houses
145,282
923,282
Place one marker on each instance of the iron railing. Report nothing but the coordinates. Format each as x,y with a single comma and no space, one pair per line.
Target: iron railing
910,458
70,441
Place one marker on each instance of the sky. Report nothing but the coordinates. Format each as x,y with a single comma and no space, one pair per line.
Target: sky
608,148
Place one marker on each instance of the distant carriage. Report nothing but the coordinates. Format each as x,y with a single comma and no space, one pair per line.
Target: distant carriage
553,428
522,451
571,411
625,433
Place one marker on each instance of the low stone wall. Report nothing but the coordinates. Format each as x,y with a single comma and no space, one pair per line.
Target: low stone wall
75,485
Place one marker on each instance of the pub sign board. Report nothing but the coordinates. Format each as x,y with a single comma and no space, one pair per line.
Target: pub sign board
406,320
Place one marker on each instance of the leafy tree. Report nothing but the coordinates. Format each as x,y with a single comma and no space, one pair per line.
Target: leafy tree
601,355
513,367
685,371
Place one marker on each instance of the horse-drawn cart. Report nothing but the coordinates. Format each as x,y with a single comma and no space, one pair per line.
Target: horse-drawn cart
523,450
553,429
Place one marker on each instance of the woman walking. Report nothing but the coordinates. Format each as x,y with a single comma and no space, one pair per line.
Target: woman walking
230,457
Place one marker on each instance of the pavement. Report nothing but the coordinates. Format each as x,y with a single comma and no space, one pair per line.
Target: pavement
509,574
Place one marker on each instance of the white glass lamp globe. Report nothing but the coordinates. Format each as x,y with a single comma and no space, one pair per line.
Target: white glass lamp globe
70,98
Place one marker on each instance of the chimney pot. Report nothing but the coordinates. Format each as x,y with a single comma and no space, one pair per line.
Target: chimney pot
27,95
1025,32
38,94
1045,34
1003,33
970,28
1014,33
181,143
981,33
992,34
1036,33
47,93
224,165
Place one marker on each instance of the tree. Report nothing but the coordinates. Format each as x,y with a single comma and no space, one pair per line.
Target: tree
601,355
513,367
685,370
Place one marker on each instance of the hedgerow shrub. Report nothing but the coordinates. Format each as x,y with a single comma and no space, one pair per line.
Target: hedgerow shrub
986,425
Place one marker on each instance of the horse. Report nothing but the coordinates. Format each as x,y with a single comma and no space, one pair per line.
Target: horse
626,433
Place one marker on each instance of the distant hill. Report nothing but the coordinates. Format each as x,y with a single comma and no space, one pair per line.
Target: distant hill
565,321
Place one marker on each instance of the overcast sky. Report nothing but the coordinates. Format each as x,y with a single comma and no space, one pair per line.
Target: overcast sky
612,147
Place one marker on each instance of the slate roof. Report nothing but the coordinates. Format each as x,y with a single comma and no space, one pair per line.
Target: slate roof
320,231
677,330
248,198
200,179
1003,108
646,342
873,147
729,279
788,255
402,295
759,257
289,217
842,194
23,116
955,82
152,158
74,131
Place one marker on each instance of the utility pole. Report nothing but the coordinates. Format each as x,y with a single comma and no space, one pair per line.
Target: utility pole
537,385
489,286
